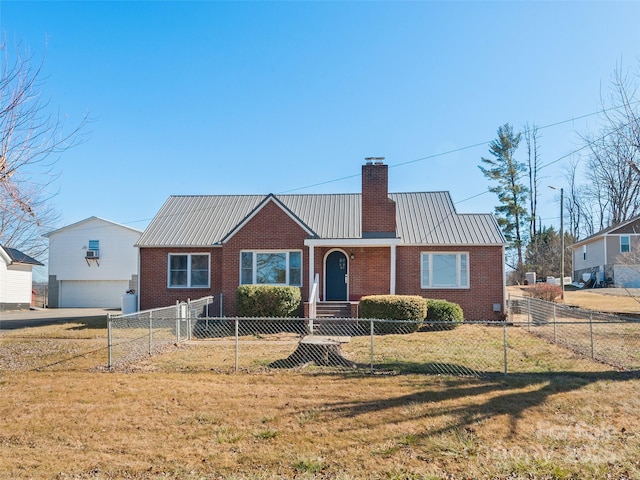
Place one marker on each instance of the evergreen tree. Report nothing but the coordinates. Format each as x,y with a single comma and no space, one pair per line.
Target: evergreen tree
506,172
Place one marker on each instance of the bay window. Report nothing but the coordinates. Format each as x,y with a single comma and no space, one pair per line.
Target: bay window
444,270
271,268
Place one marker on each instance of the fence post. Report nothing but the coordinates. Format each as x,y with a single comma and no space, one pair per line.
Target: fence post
529,314
177,321
237,344
591,333
150,333
371,344
109,342
221,305
554,323
188,319
504,345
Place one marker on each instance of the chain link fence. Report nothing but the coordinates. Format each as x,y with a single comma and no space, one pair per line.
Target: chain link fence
535,337
603,337
134,335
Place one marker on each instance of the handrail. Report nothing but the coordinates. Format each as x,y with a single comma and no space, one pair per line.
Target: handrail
314,296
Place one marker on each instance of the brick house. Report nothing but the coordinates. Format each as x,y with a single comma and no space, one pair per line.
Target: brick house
353,244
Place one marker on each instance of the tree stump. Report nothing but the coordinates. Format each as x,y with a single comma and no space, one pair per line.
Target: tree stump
318,350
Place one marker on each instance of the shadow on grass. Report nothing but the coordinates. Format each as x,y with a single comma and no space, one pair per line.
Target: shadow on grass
89,323
429,368
79,323
510,395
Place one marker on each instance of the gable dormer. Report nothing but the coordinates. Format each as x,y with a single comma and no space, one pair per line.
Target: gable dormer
378,210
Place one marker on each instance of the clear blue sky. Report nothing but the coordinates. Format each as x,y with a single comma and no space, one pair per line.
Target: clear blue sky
272,97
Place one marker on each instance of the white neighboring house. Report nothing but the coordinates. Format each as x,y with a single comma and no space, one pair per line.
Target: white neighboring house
92,263
15,279
609,257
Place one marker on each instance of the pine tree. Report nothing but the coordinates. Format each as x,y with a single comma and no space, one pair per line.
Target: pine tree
506,172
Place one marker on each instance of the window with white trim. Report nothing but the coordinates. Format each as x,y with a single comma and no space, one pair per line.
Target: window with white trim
444,270
190,270
271,267
625,245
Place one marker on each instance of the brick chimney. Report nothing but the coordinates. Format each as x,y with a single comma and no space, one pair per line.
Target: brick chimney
378,210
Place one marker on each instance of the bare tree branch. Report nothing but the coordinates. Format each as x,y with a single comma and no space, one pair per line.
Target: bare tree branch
31,140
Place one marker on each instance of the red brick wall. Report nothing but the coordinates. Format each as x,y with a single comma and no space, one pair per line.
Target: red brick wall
369,271
486,280
378,210
155,293
270,229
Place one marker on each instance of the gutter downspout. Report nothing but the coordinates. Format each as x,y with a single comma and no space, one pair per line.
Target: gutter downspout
504,280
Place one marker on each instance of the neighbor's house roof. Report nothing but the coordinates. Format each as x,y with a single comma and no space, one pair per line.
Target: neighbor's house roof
628,227
87,220
11,255
422,218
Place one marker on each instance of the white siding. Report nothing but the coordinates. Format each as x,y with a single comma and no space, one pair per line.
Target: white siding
15,283
118,256
595,255
93,283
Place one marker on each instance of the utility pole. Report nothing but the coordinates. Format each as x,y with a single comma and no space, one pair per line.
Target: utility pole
561,239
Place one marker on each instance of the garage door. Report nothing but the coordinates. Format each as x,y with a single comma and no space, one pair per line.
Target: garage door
92,294
627,276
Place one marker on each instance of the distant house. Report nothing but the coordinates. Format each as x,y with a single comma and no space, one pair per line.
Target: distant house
92,263
15,279
611,256
354,244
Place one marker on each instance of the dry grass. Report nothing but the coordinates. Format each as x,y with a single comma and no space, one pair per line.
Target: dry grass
180,416
616,300
281,425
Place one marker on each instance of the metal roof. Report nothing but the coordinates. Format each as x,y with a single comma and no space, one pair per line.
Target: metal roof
627,227
430,218
422,218
16,256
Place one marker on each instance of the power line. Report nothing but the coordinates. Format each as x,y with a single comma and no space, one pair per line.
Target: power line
469,147
456,150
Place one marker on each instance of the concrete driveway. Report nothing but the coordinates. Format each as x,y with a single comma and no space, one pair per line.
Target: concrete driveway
11,320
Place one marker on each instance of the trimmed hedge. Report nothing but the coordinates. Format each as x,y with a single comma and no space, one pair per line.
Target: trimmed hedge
444,311
268,301
396,308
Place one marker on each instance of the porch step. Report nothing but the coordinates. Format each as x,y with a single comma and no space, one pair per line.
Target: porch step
333,310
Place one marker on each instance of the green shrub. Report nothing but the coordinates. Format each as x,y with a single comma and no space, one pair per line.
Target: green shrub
396,308
268,301
444,311
545,291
